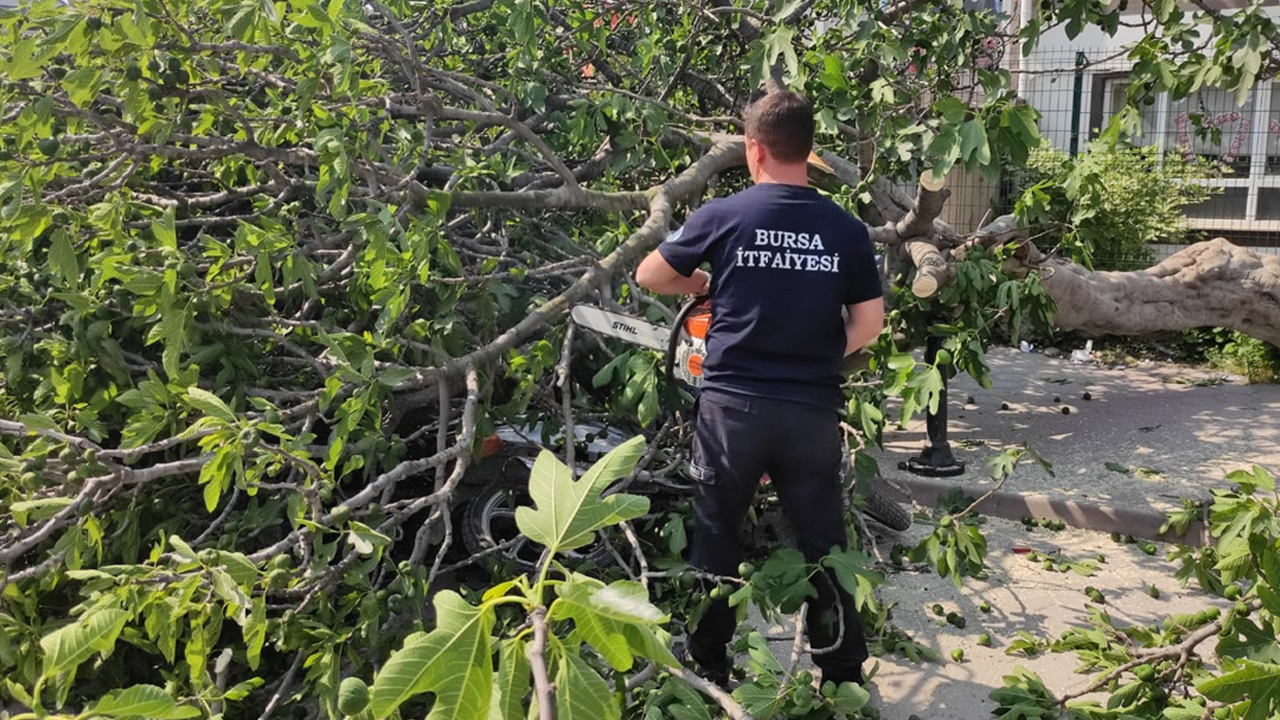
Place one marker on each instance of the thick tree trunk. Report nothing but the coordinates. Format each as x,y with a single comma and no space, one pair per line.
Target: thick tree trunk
1212,283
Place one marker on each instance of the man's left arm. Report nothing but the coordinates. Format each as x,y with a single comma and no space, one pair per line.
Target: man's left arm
863,324
864,304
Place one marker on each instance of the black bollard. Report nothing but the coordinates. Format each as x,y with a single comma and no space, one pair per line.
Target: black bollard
936,460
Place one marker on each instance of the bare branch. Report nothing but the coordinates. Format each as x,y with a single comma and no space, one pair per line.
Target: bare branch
544,689
726,702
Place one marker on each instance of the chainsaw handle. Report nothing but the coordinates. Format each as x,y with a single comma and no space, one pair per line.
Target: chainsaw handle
676,328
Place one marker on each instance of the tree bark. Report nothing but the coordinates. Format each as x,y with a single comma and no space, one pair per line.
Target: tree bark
1209,284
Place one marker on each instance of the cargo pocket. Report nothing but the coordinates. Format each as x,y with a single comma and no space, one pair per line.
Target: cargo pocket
702,474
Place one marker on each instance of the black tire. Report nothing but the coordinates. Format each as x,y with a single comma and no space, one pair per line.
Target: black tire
489,520
877,503
884,509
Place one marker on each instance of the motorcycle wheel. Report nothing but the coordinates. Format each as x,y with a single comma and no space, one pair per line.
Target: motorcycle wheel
489,521
884,509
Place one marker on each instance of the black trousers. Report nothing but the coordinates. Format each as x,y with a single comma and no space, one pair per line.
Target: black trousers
739,439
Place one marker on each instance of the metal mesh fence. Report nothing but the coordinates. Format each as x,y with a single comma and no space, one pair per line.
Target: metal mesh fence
1224,155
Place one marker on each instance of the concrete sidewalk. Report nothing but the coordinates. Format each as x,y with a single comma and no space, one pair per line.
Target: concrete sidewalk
1176,430
1023,597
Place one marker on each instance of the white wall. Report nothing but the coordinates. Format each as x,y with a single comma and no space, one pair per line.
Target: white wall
1049,85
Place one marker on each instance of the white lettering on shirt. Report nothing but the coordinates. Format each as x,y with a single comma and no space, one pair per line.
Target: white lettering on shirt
785,259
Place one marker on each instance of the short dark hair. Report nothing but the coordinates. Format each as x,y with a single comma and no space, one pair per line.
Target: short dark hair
783,121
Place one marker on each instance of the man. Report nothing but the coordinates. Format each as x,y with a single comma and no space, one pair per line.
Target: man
794,290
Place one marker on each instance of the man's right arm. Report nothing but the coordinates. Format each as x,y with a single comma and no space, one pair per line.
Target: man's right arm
672,268
656,274
863,324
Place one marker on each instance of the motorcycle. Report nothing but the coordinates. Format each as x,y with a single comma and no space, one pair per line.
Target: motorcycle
489,527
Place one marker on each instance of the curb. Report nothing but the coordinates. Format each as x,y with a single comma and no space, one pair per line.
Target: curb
1144,523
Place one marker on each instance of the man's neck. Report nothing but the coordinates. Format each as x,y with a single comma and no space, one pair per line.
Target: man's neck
797,174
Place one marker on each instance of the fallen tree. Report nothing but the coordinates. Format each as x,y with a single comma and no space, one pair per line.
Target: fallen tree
270,272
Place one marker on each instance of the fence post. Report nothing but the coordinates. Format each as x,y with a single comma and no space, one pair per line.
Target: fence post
1077,93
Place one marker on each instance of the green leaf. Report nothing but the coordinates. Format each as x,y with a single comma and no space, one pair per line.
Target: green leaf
688,703
364,538
1263,478
181,547
616,619
1024,695
68,646
853,571
512,682
26,59
26,512
451,661
1193,710
163,229
143,282
784,580
173,331
209,404
255,631
1248,641
1125,695
1021,120
778,43
567,513
952,109
63,258
216,475
39,421
973,143
786,9
1257,682
850,698
395,376
581,694
762,701
82,85
238,566
901,362
762,662
604,375
675,535
141,701
1117,468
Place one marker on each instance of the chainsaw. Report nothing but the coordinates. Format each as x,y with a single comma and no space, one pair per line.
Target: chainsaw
685,349
684,346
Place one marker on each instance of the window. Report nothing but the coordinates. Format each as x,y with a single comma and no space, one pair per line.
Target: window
1112,94
1241,142
1210,125
1273,133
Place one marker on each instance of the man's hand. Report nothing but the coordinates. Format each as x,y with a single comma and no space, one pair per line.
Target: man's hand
705,288
656,274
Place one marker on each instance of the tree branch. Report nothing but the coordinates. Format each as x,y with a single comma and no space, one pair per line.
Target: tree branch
726,702
544,690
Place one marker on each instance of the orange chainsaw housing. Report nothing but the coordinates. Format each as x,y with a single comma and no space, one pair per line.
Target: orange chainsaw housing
688,344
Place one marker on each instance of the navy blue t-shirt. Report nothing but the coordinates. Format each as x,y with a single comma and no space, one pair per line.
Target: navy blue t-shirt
784,262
